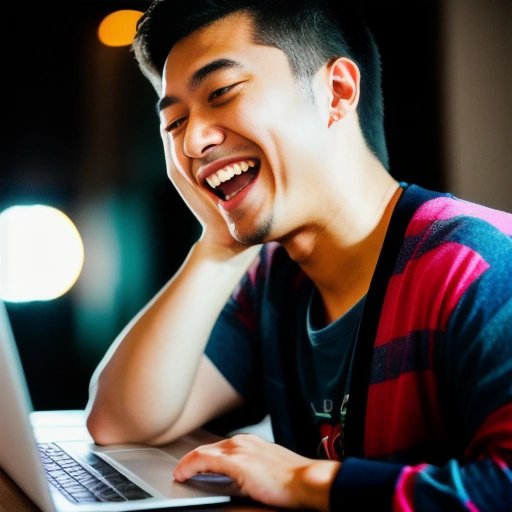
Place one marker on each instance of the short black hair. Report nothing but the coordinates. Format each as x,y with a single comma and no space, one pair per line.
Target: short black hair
309,32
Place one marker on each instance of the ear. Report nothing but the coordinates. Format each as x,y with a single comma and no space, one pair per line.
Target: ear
344,87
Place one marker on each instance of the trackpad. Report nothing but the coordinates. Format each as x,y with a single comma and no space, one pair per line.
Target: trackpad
155,467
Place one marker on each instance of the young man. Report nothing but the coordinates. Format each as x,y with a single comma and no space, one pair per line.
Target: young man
370,319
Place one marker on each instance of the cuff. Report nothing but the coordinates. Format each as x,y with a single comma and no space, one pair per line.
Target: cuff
362,484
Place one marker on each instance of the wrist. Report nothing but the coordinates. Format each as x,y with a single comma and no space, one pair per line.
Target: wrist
315,481
216,252
216,265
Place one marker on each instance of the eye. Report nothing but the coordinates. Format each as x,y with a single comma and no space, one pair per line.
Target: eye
222,91
174,125
219,92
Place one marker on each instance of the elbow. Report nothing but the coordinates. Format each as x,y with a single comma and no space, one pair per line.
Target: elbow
102,431
103,421
104,426
98,418
106,429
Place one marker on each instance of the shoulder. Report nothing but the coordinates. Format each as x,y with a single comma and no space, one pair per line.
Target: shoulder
451,248
447,226
447,210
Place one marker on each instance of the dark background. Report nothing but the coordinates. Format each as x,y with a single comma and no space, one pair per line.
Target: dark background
80,133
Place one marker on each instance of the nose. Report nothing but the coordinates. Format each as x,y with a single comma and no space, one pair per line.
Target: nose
200,136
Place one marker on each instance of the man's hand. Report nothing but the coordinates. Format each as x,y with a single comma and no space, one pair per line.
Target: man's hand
266,472
213,224
215,230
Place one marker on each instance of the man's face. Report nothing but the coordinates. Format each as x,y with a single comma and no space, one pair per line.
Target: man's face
240,130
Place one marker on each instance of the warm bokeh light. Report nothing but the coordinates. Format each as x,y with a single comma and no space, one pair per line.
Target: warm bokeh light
118,28
41,253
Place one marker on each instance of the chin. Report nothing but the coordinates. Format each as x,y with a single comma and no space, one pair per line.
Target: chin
257,236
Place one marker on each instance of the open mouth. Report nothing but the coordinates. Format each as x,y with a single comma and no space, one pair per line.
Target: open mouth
229,181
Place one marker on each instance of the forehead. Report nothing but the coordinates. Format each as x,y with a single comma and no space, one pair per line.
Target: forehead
230,37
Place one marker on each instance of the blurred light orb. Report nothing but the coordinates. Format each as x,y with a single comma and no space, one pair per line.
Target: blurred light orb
119,27
41,253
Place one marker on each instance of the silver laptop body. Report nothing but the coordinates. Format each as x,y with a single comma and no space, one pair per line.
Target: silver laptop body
149,468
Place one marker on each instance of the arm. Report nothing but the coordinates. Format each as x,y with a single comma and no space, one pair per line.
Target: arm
154,383
479,480
156,365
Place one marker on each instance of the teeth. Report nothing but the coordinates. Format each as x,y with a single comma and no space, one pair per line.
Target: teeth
228,172
225,174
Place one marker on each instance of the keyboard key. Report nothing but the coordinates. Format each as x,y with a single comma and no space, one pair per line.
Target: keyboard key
77,484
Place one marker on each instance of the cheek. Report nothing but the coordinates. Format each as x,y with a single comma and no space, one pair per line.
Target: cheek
258,119
173,163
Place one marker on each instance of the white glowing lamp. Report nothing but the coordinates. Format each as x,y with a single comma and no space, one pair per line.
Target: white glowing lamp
41,253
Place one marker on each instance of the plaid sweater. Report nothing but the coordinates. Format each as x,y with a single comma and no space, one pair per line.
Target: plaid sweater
429,420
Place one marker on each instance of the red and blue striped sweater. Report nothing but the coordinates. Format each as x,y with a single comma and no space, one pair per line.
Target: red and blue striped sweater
429,421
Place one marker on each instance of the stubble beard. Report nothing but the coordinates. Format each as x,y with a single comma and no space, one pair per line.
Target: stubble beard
258,236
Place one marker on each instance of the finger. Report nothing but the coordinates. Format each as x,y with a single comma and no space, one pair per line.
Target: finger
205,459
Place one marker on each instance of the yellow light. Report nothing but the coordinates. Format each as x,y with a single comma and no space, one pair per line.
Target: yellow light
118,28
41,253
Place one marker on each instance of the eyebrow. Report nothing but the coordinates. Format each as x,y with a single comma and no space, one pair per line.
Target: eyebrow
198,77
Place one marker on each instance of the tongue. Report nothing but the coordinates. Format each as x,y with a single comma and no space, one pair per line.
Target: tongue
237,183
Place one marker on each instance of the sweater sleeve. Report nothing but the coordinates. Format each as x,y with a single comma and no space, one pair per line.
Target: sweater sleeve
484,485
478,355
364,485
476,376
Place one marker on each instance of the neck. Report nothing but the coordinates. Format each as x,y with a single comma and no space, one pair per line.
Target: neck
340,256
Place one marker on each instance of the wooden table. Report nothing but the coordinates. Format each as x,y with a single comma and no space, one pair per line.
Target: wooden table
11,497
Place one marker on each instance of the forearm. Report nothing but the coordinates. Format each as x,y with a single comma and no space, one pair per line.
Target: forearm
142,384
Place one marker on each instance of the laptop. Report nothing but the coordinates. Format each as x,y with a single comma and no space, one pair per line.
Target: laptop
67,473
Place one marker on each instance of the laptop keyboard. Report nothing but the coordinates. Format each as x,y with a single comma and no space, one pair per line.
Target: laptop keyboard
80,485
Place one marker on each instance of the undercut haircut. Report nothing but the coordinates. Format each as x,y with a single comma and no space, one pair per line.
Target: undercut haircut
309,32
